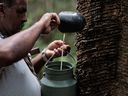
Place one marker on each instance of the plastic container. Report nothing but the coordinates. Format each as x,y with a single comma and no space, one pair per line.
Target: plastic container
71,22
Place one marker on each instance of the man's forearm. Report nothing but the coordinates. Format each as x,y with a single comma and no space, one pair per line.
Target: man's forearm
38,63
17,46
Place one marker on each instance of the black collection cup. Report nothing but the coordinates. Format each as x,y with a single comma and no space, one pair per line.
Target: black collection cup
71,22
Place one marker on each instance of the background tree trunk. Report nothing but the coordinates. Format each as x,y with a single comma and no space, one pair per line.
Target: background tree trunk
102,48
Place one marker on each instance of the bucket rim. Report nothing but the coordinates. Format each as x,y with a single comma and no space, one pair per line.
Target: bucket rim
58,63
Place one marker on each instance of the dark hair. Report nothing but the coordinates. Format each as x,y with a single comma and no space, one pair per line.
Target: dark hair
8,3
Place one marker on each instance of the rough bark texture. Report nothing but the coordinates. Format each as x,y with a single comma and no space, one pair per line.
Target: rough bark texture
102,48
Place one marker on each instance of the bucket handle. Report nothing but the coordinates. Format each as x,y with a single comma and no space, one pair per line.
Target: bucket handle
68,53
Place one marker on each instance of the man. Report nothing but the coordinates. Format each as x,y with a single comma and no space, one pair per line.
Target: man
17,77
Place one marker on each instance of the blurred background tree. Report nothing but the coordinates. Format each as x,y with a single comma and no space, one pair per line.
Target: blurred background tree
36,8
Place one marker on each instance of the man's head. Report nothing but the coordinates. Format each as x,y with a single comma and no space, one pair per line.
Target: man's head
12,15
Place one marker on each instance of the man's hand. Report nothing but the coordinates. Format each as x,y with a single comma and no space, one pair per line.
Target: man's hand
56,48
49,22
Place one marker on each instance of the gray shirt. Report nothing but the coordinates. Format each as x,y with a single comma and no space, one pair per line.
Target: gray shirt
18,80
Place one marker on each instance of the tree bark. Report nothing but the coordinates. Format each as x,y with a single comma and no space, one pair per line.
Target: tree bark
102,48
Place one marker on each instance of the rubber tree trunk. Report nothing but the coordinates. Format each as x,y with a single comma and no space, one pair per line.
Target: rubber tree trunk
102,48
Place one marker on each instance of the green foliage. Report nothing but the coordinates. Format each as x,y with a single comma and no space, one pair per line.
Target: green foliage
36,8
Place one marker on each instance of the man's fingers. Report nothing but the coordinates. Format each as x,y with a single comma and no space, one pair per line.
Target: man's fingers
56,18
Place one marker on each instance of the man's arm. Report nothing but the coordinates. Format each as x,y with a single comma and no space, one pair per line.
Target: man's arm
53,50
38,62
17,46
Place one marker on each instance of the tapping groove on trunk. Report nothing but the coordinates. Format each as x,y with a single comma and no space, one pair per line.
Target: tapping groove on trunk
102,48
